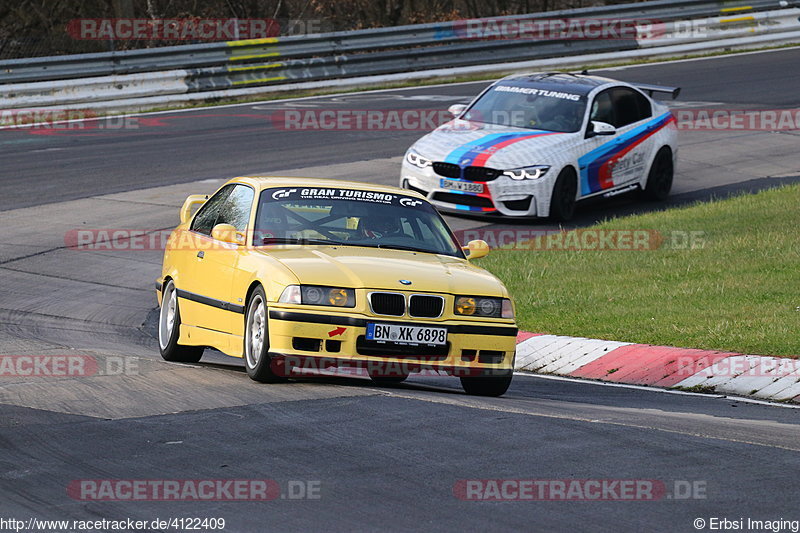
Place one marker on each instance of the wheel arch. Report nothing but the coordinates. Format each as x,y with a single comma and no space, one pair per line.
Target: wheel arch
251,289
544,202
664,147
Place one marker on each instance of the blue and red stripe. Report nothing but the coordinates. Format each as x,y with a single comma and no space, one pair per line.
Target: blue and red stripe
477,152
596,166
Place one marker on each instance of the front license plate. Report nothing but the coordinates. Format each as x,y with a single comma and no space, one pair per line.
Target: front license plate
406,334
466,186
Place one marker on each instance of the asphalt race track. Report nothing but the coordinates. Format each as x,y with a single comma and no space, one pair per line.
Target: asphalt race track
366,458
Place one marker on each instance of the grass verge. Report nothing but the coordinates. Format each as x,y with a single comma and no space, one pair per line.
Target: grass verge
737,289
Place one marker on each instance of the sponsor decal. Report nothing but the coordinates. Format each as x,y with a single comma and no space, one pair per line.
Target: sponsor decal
322,193
596,166
537,92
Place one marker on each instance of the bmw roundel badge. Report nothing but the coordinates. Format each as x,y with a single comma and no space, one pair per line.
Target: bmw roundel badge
405,282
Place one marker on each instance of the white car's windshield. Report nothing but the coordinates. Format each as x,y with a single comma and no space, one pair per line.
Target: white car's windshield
348,217
530,106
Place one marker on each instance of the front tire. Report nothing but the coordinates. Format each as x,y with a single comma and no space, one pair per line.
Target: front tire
565,191
659,179
169,326
486,385
256,340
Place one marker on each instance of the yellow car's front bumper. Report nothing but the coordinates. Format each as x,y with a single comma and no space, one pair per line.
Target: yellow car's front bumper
477,347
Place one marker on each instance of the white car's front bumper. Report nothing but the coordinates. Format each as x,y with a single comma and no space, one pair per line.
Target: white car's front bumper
502,196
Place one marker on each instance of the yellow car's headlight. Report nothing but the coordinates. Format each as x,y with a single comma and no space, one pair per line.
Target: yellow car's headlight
484,307
318,295
465,305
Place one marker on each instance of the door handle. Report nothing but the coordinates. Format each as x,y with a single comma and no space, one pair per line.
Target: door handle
201,254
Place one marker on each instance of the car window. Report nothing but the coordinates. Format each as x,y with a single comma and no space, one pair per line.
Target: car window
531,106
231,205
235,209
345,217
206,216
629,106
602,109
645,109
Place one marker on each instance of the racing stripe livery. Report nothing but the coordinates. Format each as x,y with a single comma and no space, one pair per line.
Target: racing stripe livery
477,152
529,130
596,166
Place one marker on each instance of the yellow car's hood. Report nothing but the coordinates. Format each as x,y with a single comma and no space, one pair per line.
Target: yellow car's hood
359,267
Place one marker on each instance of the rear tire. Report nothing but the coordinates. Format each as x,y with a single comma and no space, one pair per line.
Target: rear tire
486,385
565,191
256,340
169,329
659,179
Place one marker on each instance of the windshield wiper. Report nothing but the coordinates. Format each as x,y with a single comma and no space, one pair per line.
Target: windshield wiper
406,248
285,240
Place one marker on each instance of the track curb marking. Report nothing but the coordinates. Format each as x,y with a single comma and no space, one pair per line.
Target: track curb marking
762,377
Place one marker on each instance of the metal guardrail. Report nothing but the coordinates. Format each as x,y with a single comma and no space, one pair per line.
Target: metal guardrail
263,62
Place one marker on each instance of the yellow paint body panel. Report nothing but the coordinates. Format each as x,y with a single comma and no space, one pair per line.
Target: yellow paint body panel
227,272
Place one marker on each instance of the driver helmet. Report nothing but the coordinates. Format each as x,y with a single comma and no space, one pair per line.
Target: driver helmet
376,227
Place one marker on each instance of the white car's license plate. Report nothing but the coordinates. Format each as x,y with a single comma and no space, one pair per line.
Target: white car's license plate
406,334
465,186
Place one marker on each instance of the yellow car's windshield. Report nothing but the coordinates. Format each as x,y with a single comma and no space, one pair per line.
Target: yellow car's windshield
349,217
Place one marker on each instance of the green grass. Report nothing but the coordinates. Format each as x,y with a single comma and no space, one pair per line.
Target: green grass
738,290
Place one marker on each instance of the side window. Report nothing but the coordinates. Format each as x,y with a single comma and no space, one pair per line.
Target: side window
645,109
235,209
206,218
602,110
629,106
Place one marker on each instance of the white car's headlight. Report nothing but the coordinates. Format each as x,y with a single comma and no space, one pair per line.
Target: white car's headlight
318,295
417,160
527,173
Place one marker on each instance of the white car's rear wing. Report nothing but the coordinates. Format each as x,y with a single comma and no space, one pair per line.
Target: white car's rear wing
650,89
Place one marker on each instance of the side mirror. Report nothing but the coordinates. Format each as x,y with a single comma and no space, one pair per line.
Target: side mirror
476,249
191,201
457,109
601,128
227,233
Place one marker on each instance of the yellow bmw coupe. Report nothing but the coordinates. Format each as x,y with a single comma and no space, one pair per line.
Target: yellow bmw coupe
293,273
